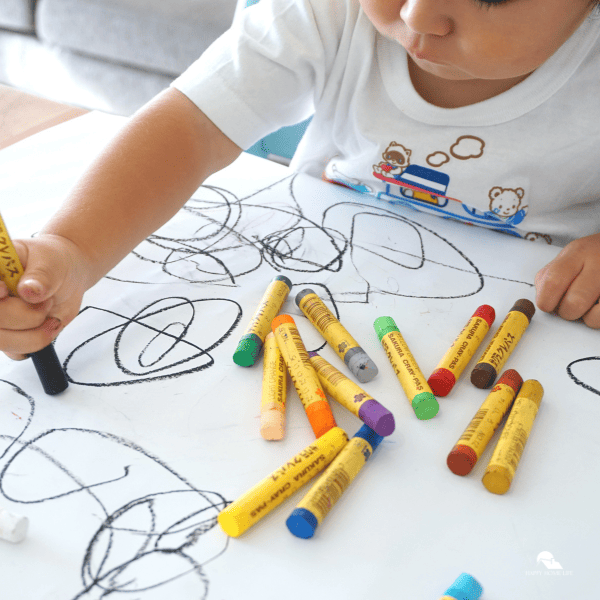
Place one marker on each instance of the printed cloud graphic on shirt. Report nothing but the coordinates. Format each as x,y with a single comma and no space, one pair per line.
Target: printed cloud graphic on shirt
437,159
467,146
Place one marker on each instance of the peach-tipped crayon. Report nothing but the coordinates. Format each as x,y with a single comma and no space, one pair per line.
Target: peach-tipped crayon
334,481
480,430
252,340
274,388
453,363
345,346
304,377
503,343
407,370
353,397
45,361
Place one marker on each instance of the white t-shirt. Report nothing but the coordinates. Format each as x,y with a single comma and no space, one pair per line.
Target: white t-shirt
525,162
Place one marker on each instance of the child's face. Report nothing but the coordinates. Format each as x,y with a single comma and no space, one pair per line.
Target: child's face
478,39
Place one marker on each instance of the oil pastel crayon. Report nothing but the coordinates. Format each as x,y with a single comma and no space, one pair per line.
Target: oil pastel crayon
353,397
13,527
304,377
453,363
501,469
411,378
281,483
345,346
45,361
274,389
466,587
252,340
503,343
334,481
480,430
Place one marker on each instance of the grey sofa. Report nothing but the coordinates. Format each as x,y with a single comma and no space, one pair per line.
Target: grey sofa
110,55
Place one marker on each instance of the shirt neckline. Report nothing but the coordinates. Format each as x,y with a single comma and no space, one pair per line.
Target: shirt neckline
515,102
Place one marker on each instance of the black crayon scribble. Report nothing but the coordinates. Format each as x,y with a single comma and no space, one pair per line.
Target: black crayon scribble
579,381
155,545
15,399
220,238
156,343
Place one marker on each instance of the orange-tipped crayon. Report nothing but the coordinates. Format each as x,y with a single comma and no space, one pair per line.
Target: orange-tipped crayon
304,377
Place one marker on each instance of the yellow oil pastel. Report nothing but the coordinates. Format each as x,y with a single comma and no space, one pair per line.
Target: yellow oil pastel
271,491
501,469
274,389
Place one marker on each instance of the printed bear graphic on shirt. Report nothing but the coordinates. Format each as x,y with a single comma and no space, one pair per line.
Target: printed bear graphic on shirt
506,203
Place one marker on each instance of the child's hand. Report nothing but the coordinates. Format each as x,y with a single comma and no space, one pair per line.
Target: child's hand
570,284
50,294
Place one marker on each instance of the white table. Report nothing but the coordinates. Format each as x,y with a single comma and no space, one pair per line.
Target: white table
158,427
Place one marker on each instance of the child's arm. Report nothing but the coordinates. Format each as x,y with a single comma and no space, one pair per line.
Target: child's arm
570,284
143,177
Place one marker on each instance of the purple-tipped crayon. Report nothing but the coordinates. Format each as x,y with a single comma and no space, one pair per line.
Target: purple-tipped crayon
351,396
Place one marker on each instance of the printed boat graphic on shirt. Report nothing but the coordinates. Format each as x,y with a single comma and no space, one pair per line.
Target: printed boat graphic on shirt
425,189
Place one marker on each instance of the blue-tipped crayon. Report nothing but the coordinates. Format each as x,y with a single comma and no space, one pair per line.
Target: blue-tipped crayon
336,478
466,587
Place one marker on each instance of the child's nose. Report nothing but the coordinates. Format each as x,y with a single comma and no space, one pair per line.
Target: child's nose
426,17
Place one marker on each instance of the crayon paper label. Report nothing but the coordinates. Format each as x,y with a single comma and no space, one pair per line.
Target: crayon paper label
303,375
464,346
340,387
327,324
267,310
412,380
274,375
486,420
514,436
10,265
505,340
334,481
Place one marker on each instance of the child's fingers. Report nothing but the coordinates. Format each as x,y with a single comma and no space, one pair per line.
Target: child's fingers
570,284
13,356
17,315
592,317
553,281
16,343
42,275
582,295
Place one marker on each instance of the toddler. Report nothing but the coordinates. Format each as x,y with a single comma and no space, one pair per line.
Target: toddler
482,110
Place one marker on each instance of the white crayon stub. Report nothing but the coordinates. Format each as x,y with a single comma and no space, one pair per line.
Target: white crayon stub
13,528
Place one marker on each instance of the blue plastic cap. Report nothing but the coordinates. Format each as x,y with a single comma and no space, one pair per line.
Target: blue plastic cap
465,588
366,433
302,523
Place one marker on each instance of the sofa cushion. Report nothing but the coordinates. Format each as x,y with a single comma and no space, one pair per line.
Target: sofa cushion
17,14
158,35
